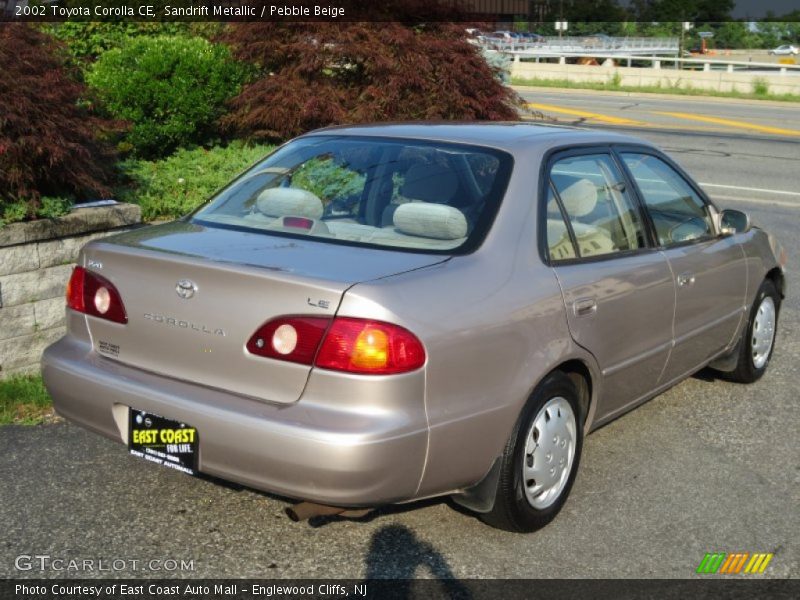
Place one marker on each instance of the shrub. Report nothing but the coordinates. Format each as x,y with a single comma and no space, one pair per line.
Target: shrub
87,40
174,186
47,132
760,86
172,89
48,208
316,74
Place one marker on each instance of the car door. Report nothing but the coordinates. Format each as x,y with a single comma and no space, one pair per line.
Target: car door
617,289
709,269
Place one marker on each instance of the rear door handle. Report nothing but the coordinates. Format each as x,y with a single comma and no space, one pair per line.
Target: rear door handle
685,279
583,307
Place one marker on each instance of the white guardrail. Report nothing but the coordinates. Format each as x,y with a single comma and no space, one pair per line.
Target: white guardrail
715,63
581,45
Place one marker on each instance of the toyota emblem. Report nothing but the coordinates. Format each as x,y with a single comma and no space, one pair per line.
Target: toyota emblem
186,288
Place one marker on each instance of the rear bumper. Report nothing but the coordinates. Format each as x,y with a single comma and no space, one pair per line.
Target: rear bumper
349,440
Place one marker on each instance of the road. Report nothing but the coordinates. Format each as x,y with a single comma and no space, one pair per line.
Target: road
738,150
707,466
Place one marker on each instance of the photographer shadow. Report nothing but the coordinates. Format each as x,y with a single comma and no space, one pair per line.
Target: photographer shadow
396,554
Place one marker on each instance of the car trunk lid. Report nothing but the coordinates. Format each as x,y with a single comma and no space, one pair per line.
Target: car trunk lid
195,295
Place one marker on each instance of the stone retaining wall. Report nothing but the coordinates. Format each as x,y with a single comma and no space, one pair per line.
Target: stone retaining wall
36,260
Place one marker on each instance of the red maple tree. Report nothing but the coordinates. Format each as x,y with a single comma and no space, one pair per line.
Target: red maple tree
316,74
49,142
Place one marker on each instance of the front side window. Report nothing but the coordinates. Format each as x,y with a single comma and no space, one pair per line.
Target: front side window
678,212
592,194
409,194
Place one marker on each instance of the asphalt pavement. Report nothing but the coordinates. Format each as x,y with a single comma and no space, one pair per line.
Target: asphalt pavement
708,466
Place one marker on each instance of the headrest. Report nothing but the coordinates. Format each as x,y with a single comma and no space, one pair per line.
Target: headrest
435,221
555,230
284,202
430,183
579,198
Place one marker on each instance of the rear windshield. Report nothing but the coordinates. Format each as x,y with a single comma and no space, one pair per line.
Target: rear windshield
404,194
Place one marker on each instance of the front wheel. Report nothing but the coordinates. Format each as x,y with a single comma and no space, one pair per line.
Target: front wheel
758,343
540,459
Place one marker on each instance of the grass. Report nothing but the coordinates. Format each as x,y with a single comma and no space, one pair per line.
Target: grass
760,89
24,401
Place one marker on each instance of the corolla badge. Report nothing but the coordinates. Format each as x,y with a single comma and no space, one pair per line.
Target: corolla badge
186,288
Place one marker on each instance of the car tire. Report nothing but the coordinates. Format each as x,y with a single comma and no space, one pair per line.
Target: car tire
758,343
546,442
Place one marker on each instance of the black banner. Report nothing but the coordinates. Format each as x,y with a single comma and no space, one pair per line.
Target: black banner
465,11
461,589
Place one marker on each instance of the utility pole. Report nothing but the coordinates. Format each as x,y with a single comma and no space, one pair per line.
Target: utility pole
685,26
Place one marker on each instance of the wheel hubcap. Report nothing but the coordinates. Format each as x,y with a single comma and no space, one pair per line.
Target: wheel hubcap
763,332
549,453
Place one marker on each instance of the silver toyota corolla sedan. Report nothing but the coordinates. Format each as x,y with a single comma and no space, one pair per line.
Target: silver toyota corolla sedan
380,314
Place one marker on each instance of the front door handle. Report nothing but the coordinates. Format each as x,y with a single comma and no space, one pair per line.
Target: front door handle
685,279
583,307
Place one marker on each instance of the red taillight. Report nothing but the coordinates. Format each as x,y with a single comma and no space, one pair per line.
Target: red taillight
75,289
295,339
344,344
369,347
91,294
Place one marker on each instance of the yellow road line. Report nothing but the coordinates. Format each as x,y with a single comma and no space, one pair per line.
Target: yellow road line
643,125
730,123
584,114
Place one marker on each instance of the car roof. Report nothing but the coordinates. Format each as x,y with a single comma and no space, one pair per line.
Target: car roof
509,136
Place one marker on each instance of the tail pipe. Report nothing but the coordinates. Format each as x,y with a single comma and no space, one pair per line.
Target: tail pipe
307,510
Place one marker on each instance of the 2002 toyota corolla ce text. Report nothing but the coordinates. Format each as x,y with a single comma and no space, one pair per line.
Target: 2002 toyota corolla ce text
379,314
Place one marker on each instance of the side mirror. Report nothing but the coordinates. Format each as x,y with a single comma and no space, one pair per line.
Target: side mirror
733,221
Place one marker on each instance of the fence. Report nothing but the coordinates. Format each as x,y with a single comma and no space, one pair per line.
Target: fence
579,46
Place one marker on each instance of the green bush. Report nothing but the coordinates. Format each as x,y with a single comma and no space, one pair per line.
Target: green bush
171,89
760,86
85,41
46,208
174,186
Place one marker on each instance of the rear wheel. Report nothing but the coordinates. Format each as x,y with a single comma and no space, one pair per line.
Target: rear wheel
540,459
758,343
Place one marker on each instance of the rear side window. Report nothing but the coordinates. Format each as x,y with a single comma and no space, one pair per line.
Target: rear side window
559,240
411,194
678,212
602,216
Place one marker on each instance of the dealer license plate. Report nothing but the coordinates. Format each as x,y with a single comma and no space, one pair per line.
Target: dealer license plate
162,441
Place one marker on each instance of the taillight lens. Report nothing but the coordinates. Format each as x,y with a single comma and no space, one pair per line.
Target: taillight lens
91,294
342,344
369,347
295,339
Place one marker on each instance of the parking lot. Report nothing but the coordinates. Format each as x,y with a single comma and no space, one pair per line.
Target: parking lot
708,466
